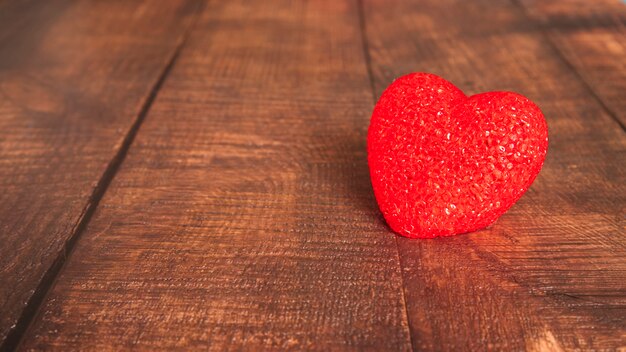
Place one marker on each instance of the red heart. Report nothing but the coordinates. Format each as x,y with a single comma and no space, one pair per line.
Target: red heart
442,163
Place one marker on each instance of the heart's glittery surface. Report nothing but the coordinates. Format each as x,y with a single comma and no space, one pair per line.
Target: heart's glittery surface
442,163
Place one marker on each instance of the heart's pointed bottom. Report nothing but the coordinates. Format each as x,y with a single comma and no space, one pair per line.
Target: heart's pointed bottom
443,164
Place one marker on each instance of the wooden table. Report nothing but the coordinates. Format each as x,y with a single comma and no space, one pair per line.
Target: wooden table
191,175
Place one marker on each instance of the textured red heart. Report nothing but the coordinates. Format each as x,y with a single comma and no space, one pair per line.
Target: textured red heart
442,163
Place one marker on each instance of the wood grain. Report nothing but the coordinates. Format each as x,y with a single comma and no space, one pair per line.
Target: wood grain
73,77
550,274
242,217
591,36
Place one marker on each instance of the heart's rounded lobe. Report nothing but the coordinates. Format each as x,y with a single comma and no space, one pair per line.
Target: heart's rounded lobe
442,163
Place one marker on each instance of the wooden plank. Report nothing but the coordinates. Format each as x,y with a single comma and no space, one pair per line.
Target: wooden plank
591,35
550,274
242,217
73,78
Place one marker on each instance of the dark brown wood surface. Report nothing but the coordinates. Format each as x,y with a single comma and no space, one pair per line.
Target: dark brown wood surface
73,78
242,217
550,274
243,214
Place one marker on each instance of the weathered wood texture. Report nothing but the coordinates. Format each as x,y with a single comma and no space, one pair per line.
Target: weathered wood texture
73,77
591,35
550,274
243,214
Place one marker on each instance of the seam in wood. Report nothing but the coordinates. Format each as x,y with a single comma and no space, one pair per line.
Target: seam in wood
368,63
569,65
366,48
32,307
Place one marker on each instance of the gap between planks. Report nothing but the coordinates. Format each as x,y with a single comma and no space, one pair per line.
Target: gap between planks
30,311
368,64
